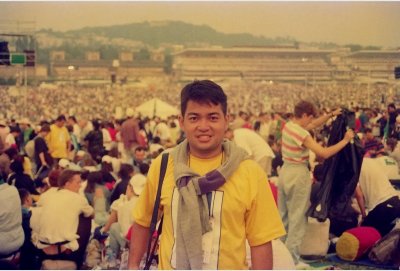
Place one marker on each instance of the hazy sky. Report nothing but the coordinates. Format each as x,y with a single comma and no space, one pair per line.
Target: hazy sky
365,23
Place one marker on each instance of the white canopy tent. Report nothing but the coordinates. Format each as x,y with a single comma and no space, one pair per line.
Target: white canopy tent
156,107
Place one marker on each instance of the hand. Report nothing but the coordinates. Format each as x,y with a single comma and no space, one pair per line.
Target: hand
349,135
361,220
336,112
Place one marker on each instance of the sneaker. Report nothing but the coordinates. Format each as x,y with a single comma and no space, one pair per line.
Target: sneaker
302,266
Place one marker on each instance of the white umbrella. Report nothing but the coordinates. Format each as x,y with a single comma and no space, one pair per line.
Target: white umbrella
157,107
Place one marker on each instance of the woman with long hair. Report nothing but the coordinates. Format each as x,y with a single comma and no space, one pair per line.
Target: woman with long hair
98,196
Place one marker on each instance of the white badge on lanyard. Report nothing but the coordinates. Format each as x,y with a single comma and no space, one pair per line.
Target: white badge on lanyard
207,243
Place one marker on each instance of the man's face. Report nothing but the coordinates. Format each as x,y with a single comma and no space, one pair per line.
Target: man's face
140,155
60,123
74,184
204,125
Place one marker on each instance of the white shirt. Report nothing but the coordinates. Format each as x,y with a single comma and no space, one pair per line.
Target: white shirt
391,168
253,143
82,188
11,232
396,154
57,218
76,130
374,183
265,130
162,131
44,195
124,208
10,141
154,147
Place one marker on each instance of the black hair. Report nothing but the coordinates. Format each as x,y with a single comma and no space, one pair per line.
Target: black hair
109,124
204,91
156,140
15,129
84,174
96,124
17,166
139,148
70,128
304,107
125,171
172,124
144,168
93,178
11,152
106,166
72,118
45,128
61,118
66,176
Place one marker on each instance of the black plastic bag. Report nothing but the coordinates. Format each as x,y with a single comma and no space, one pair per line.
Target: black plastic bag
340,172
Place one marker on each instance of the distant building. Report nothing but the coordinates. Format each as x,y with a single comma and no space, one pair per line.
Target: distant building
93,68
374,65
57,55
286,63
126,56
92,56
157,56
253,63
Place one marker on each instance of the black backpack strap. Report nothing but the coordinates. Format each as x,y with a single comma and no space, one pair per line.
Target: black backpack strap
153,224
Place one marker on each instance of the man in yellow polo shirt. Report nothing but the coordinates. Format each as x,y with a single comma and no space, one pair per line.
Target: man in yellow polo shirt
213,196
58,139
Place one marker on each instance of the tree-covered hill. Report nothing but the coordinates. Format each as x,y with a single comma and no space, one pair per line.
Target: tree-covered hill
176,32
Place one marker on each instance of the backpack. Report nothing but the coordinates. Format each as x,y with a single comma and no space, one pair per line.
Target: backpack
387,250
30,148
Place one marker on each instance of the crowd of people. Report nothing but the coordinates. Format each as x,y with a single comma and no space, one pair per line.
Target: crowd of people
41,103
76,180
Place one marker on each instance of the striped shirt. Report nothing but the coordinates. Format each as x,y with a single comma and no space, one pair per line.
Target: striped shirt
293,151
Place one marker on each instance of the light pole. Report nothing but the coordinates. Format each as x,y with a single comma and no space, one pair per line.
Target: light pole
304,60
71,68
368,88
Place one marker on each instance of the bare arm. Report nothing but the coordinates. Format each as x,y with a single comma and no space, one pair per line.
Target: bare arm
326,152
138,246
42,159
322,119
261,257
111,219
360,200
